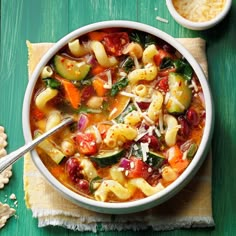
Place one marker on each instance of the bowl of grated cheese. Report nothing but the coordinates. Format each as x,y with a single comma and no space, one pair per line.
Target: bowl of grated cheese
198,14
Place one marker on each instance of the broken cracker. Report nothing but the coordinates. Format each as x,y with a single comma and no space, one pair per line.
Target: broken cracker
6,174
5,213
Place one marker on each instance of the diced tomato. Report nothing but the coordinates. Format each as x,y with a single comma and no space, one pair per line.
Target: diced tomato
115,42
37,114
160,56
138,169
86,143
163,84
175,159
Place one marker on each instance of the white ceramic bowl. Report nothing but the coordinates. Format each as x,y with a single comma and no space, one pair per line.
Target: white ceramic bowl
198,25
172,189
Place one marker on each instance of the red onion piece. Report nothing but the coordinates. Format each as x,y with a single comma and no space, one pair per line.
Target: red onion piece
82,123
125,163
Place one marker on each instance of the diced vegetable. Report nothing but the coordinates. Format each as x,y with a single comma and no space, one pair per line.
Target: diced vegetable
155,159
108,157
139,169
52,83
97,35
86,143
70,69
119,85
180,94
98,85
82,123
176,160
115,43
95,181
72,93
127,64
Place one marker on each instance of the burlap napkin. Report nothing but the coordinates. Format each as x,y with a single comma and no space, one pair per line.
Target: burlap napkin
192,207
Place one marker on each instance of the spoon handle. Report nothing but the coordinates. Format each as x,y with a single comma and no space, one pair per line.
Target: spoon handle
14,156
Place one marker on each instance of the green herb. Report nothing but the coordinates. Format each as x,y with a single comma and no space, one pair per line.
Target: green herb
149,40
138,37
52,83
192,150
119,85
166,63
85,109
142,38
128,64
182,67
95,180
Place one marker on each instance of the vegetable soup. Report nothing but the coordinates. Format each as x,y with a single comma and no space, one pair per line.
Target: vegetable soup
138,110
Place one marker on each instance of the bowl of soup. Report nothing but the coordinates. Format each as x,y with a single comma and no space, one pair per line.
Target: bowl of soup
142,110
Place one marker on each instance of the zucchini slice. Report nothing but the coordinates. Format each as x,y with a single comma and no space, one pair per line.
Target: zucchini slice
70,69
180,94
108,157
155,159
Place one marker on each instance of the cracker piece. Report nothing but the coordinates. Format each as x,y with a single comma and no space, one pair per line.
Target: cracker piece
5,213
6,174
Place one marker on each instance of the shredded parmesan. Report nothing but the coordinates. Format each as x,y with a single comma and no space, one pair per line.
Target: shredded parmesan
114,110
145,150
161,19
97,134
177,102
199,10
108,85
194,86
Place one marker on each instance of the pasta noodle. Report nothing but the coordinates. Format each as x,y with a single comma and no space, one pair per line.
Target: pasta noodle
101,55
172,129
119,132
148,73
44,97
146,188
108,186
77,49
46,72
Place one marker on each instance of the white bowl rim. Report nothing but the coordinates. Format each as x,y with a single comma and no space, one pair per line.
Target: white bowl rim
169,191
198,25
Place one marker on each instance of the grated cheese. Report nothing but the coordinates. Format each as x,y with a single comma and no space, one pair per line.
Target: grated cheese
145,150
199,10
161,19
108,85
177,102
97,134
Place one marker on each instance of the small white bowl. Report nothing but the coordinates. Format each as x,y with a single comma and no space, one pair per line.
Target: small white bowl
198,25
169,191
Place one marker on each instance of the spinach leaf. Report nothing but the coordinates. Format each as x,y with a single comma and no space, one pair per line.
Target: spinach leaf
118,86
182,67
127,64
144,39
52,83
166,63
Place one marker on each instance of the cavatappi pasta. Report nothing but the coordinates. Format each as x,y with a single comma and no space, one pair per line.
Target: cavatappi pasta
138,109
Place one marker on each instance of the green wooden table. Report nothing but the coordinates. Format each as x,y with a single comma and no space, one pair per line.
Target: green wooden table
48,21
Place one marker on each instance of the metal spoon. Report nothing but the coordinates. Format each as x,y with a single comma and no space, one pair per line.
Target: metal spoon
14,156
